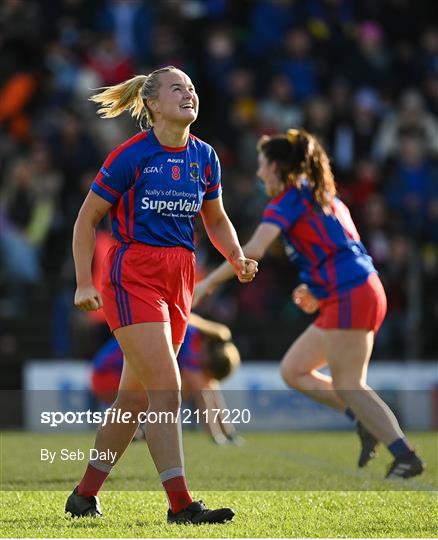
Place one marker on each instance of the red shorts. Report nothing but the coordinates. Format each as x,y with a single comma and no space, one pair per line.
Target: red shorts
142,283
363,307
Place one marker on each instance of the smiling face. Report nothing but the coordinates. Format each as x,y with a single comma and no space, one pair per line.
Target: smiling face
177,101
267,172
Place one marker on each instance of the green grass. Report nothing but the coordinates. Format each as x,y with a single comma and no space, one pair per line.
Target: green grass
280,485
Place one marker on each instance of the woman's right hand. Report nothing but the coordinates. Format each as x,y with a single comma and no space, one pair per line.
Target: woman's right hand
202,289
88,298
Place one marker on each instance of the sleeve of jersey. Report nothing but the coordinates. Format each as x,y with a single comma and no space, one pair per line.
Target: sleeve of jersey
213,178
114,177
283,211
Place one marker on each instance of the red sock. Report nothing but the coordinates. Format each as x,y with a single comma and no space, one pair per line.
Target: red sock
177,493
93,480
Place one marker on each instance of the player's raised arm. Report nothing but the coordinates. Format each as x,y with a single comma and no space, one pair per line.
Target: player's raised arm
84,236
255,249
223,236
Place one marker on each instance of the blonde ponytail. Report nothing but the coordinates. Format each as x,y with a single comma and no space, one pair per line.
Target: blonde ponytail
114,100
130,95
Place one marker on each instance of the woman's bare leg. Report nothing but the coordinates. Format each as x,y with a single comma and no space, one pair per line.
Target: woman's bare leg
299,368
348,354
150,354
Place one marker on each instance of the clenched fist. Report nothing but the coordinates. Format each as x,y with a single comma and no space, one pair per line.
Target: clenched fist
245,269
304,299
88,298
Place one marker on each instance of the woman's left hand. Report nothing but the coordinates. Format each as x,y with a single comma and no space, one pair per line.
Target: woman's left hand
304,299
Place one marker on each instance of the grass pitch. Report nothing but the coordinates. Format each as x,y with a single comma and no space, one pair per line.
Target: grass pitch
280,485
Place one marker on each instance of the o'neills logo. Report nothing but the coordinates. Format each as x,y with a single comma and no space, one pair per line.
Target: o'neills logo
181,205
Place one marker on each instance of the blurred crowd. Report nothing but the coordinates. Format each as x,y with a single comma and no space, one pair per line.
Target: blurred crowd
360,74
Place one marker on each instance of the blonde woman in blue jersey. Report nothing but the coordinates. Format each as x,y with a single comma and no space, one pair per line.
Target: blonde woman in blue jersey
154,185
338,278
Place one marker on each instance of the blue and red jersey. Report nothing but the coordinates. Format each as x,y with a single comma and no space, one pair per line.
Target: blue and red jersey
189,356
326,247
158,191
109,358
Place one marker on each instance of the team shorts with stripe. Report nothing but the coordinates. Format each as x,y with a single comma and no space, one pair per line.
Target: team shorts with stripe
363,307
143,283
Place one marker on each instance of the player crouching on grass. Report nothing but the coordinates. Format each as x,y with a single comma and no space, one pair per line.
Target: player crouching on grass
340,280
206,357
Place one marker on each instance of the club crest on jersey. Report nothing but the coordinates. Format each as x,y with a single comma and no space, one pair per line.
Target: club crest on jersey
153,169
194,171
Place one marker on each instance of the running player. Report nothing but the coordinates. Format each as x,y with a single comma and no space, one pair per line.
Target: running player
154,185
338,278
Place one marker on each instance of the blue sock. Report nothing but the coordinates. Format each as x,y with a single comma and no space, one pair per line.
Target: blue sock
399,447
350,414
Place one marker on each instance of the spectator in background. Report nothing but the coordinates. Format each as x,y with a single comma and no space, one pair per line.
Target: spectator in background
81,13
353,137
110,63
395,274
18,207
298,65
330,21
219,59
27,205
430,89
317,119
74,151
167,46
374,219
21,35
269,21
130,23
370,64
243,115
410,118
429,51
278,111
412,189
28,201
64,68
365,184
